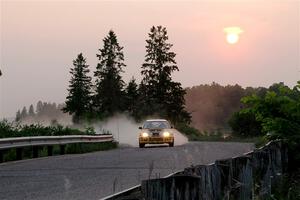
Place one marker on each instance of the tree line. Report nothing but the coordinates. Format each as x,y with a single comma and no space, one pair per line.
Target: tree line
156,95
212,105
42,111
260,112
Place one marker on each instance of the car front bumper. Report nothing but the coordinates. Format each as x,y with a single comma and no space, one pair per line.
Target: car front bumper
155,140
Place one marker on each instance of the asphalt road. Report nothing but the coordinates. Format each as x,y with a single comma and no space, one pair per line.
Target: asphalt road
98,174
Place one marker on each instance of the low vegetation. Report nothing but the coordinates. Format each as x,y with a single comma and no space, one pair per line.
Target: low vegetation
194,134
9,129
275,115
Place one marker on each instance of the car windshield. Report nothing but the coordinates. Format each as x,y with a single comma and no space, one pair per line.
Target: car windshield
156,124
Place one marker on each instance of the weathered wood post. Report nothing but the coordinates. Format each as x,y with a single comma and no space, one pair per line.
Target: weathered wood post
210,180
225,170
241,180
276,164
172,188
261,173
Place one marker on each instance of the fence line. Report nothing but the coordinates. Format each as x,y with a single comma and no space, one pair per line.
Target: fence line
8,143
254,174
19,143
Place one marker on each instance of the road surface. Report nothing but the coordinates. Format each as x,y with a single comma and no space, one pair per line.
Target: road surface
98,174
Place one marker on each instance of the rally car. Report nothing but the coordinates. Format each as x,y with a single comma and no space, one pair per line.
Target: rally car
156,131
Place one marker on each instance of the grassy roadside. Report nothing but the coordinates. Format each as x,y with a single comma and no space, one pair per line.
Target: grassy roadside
78,148
195,135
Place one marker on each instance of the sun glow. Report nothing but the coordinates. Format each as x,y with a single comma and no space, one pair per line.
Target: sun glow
232,34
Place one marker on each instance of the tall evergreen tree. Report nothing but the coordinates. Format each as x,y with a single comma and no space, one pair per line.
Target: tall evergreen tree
109,97
166,96
31,111
39,107
79,99
23,113
131,97
18,116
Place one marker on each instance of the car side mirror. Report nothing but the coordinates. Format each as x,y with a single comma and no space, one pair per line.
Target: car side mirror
140,127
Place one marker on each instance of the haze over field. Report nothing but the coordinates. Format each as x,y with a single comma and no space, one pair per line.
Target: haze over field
39,40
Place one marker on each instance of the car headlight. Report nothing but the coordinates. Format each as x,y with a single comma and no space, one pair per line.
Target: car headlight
166,134
145,134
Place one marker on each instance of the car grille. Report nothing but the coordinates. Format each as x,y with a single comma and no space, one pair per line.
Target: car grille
158,139
155,132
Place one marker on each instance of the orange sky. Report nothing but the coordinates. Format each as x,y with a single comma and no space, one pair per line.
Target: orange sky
40,39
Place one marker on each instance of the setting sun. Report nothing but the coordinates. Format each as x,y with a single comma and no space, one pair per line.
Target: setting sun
232,38
232,34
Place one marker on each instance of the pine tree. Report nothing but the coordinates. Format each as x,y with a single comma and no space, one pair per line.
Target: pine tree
175,104
31,111
109,97
39,107
165,96
23,113
18,116
131,97
79,97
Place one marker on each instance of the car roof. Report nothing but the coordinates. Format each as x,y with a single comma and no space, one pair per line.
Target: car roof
156,120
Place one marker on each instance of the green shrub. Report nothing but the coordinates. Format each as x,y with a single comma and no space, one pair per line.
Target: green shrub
8,129
244,124
191,132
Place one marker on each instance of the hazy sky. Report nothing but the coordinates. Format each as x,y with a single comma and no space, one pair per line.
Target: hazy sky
40,39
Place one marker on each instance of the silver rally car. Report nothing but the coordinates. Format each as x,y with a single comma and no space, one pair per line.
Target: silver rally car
156,131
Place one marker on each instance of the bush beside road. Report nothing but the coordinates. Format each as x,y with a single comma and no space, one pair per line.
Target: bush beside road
10,129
